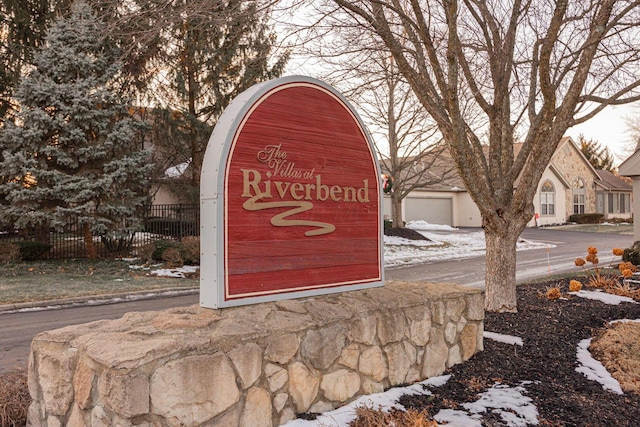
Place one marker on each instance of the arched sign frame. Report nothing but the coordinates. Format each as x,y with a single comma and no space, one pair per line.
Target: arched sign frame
213,292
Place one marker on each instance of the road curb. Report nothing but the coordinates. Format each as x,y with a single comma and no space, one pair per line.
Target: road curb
96,299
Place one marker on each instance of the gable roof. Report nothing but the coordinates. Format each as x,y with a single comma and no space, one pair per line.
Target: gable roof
453,182
611,182
434,171
631,166
568,140
559,175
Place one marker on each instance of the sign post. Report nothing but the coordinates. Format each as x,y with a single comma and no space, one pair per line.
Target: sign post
290,198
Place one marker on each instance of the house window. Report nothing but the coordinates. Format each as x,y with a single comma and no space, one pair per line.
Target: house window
627,203
600,203
611,202
547,199
578,196
618,203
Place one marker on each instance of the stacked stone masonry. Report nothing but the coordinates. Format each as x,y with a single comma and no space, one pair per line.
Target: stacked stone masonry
250,366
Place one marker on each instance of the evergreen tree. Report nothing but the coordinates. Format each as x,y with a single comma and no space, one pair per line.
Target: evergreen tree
23,25
70,153
211,51
599,157
189,58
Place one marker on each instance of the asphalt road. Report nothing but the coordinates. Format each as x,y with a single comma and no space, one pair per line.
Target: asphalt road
18,329
531,264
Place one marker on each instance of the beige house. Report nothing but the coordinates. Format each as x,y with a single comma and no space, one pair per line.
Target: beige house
568,185
631,168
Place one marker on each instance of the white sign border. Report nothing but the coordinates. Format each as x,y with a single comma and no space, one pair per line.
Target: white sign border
212,226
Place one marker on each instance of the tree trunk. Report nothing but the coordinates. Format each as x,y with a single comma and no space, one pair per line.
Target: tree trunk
396,211
90,245
500,275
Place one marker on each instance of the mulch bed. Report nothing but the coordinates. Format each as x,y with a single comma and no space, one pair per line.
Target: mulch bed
407,233
551,331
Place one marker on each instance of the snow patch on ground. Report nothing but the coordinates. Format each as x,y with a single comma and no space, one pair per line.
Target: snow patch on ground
507,339
446,243
457,418
384,401
514,407
425,226
625,321
604,297
594,370
511,403
179,272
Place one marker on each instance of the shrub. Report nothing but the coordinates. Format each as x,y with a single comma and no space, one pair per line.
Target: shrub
587,218
160,246
553,293
632,254
146,252
9,252
172,257
612,280
191,250
173,252
117,244
369,417
31,251
625,290
575,286
14,399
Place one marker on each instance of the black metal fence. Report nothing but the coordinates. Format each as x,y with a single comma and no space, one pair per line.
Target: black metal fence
160,222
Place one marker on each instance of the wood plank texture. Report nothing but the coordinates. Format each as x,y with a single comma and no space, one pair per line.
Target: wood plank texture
300,148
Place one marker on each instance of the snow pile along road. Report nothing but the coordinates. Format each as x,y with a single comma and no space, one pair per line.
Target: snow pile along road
445,243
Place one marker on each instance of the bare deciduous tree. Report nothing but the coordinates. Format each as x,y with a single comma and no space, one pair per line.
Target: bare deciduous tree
408,143
632,123
406,138
532,68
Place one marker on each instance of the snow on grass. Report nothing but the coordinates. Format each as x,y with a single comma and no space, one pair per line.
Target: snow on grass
446,243
604,297
507,339
594,370
179,272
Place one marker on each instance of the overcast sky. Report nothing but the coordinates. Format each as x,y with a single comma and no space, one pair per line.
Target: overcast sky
609,128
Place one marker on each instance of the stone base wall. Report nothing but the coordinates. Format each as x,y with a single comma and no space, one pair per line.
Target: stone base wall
250,366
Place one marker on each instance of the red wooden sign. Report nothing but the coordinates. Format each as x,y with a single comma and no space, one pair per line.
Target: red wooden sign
301,205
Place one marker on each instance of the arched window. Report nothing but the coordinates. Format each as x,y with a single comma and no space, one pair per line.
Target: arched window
578,196
547,198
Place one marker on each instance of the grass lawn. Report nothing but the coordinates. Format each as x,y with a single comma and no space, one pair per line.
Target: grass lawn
55,279
622,228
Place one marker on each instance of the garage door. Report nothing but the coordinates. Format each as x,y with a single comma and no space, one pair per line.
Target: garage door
434,211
